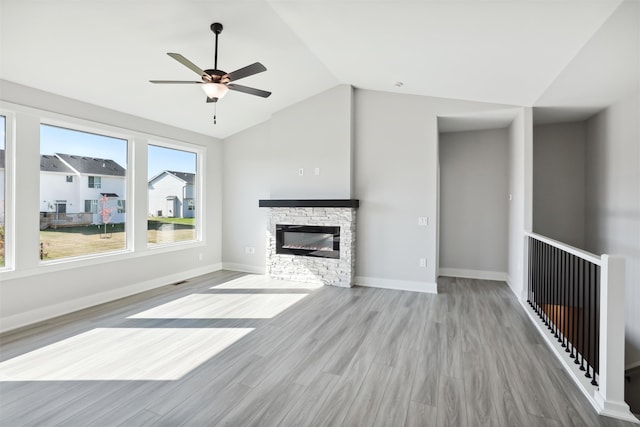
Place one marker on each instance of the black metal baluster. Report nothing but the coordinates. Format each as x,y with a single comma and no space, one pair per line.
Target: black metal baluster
588,316
570,335
596,358
541,271
563,293
569,295
548,299
530,278
576,298
583,339
556,289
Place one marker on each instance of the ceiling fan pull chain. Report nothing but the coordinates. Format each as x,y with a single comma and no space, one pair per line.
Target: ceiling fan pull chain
215,110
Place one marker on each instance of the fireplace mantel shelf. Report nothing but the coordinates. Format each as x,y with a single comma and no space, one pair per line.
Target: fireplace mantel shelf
309,203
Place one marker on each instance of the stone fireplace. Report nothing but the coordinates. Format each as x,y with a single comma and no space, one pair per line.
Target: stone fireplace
311,241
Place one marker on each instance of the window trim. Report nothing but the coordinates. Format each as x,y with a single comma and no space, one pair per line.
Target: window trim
85,126
137,140
9,192
199,183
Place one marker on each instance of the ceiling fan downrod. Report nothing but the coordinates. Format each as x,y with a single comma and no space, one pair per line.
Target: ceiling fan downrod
216,27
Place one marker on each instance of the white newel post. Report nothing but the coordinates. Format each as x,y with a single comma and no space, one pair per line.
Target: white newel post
610,394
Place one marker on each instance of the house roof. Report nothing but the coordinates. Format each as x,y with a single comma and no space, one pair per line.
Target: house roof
93,165
185,176
50,163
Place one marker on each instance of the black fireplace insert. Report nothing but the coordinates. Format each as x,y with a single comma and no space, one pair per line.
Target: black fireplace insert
308,240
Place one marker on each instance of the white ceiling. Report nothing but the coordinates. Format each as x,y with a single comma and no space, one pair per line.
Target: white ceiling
105,51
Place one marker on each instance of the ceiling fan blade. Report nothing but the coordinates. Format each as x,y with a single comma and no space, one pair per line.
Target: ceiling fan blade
247,71
249,90
190,65
171,82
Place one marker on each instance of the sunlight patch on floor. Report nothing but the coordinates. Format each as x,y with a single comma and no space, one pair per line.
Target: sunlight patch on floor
222,306
265,282
122,354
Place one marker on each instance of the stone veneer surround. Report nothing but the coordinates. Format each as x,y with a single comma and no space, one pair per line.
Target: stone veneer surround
327,271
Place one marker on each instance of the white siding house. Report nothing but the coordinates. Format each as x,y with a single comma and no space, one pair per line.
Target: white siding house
72,185
171,194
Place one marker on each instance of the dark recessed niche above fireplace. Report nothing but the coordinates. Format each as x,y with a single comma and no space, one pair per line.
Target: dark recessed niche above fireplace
308,240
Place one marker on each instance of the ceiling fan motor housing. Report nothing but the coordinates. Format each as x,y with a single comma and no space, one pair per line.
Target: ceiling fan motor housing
215,76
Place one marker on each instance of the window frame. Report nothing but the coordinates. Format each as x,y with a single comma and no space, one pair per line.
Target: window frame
200,153
9,191
23,261
94,181
99,129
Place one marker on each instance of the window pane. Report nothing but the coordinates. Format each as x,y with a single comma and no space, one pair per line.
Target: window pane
83,177
3,138
172,180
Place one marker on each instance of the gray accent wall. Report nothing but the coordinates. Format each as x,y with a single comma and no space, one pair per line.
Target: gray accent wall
474,194
613,202
314,133
559,182
385,143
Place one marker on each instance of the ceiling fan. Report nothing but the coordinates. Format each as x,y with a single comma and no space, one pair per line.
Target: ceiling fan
216,83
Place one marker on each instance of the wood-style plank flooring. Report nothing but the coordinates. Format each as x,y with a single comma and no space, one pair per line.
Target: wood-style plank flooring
242,350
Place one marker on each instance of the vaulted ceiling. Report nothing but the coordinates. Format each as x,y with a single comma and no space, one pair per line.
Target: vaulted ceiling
105,51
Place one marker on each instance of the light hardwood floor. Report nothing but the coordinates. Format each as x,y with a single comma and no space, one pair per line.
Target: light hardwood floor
243,350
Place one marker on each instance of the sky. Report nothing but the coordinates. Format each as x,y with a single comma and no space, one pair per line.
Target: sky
60,140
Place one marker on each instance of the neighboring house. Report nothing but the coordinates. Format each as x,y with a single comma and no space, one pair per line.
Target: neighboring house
171,194
72,185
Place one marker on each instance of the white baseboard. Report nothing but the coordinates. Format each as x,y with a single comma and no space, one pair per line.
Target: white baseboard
245,268
473,274
44,313
399,285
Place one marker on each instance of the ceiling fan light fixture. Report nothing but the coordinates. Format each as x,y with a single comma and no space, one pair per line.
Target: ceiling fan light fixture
215,90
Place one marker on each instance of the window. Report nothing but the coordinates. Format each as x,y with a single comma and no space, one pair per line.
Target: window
3,136
121,208
172,195
80,216
94,182
91,206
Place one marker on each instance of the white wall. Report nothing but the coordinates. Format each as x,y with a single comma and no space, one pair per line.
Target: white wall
33,291
246,180
559,182
613,201
474,209
520,191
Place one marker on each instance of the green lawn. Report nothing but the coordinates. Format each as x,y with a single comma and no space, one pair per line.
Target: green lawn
92,239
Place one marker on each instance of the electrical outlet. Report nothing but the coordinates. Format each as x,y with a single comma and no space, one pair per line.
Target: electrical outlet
200,256
317,171
249,250
423,221
423,262
301,171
